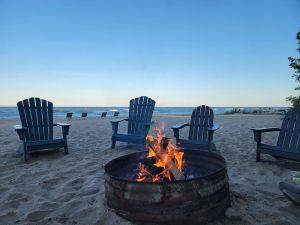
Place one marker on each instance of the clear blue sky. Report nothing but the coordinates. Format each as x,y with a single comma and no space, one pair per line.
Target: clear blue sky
180,52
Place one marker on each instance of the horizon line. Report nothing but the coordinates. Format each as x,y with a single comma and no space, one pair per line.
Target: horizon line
165,106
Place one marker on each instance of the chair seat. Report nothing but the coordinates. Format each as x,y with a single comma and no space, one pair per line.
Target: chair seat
279,151
130,138
193,144
45,144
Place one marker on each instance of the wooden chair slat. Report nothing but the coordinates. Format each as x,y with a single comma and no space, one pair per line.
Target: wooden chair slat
130,117
282,132
194,121
29,120
134,116
39,118
201,126
205,124
142,113
289,131
21,110
211,118
33,112
295,134
45,119
50,119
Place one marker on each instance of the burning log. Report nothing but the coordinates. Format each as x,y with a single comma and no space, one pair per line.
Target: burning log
178,175
164,161
148,161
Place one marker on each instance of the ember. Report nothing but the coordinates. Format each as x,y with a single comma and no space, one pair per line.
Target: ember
164,161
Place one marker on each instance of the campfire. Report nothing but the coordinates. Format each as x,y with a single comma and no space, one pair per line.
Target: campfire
164,161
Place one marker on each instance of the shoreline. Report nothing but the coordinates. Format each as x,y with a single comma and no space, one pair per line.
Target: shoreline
157,115
7,113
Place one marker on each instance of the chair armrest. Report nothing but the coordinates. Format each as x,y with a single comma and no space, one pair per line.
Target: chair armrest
176,129
118,121
265,129
214,127
211,131
115,124
20,131
65,128
19,127
63,124
258,131
179,126
147,124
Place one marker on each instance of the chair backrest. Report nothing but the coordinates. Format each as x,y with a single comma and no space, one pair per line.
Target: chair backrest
116,114
84,114
69,115
202,118
104,114
37,116
140,113
288,138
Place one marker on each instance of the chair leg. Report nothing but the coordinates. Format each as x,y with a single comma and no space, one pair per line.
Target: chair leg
257,156
212,146
113,144
66,149
25,154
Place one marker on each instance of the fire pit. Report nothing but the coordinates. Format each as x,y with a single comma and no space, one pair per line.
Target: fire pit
195,192
197,200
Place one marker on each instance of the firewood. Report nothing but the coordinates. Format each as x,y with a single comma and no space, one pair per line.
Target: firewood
177,174
148,161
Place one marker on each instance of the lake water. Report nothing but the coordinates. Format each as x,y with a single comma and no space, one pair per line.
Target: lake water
60,112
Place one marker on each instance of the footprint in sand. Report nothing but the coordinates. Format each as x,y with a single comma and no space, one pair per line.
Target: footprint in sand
3,189
17,196
37,215
75,184
11,204
93,172
50,182
5,142
89,191
66,197
9,218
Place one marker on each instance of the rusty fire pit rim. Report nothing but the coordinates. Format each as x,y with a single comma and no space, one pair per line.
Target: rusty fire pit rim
224,167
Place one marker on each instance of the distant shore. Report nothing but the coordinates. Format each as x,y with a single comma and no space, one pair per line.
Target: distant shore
8,113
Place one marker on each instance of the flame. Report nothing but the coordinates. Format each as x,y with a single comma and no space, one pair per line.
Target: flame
172,152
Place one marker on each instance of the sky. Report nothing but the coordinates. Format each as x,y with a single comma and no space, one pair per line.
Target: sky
179,52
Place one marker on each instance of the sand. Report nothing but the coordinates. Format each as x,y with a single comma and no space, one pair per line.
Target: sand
54,188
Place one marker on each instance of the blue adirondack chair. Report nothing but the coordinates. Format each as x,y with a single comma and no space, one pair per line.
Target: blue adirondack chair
116,114
36,130
139,122
103,114
202,128
69,116
84,115
288,145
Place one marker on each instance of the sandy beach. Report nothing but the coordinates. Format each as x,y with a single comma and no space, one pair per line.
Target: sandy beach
54,188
